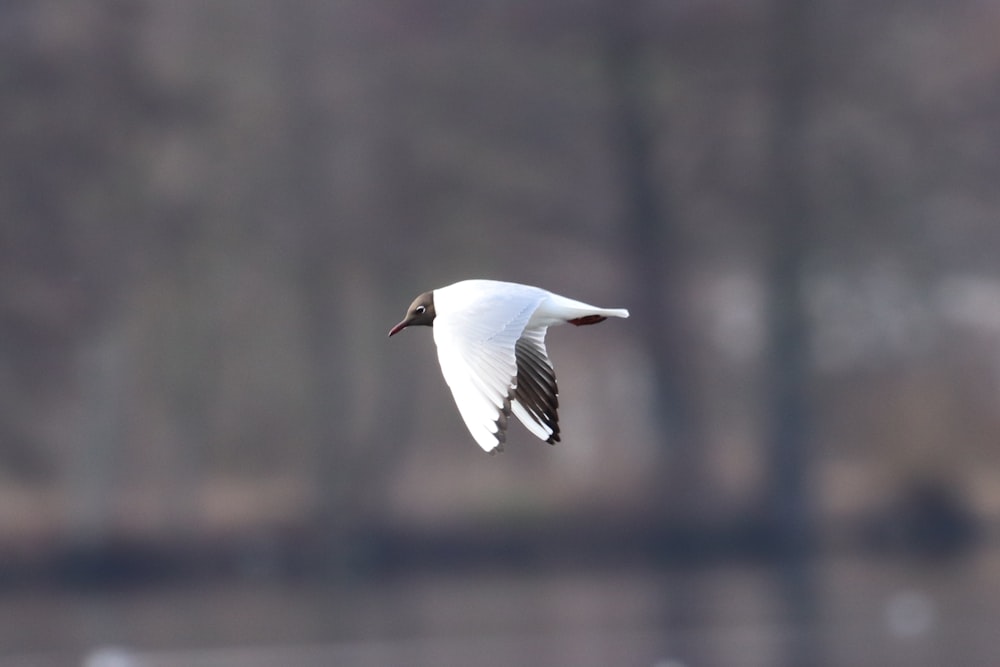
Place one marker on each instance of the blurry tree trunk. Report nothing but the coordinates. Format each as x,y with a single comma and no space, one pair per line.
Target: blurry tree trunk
788,500
788,503
656,254
318,256
355,404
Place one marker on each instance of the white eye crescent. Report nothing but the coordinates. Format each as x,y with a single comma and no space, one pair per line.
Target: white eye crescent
420,310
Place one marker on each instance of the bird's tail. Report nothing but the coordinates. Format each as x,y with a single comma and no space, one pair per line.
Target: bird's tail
558,309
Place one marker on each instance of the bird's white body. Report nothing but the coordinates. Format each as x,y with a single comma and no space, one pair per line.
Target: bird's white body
498,299
490,339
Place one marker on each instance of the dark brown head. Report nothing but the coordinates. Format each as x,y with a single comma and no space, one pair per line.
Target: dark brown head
420,313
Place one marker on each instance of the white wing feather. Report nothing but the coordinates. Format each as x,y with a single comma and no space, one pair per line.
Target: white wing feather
475,340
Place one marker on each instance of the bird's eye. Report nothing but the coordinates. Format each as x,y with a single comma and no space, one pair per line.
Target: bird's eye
419,310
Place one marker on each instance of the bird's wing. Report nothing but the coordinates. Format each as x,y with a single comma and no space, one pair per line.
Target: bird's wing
536,396
476,348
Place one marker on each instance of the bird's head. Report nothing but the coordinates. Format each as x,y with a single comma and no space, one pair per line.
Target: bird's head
420,313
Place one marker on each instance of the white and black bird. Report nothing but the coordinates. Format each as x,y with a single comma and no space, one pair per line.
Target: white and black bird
490,340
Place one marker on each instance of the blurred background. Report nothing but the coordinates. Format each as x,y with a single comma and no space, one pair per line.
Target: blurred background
212,213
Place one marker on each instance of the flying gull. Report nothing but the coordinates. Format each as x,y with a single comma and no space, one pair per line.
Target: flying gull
490,340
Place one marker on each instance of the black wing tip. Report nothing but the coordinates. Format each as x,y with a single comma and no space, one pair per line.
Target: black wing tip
501,422
501,437
536,389
554,425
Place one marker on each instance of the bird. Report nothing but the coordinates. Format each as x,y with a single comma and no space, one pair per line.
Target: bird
490,338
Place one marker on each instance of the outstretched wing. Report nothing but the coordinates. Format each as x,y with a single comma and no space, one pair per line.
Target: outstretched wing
476,347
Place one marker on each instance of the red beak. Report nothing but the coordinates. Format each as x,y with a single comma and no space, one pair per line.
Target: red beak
399,327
